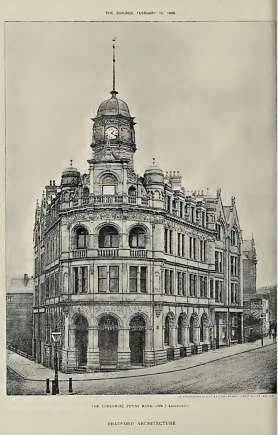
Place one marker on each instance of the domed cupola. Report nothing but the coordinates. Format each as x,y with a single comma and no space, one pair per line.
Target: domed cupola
113,106
70,176
154,175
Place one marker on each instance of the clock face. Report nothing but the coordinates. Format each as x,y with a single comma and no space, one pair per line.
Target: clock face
111,133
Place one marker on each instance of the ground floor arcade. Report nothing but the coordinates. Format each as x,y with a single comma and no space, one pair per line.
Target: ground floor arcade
124,337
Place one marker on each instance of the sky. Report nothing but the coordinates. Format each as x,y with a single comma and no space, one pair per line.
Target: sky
203,97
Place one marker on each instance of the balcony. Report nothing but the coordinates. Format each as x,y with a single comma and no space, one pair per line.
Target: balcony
79,253
111,252
106,199
114,199
138,253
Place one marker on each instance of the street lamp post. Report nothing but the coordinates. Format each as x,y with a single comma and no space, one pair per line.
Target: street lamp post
56,336
262,328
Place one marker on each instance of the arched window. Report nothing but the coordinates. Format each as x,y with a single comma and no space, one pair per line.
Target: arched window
132,191
109,184
167,331
137,238
218,231
86,192
108,237
233,237
81,238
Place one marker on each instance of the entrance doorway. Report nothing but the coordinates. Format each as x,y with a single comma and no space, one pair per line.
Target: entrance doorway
81,341
137,340
108,341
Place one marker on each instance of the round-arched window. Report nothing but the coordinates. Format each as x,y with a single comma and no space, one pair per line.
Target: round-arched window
108,237
137,238
81,238
109,184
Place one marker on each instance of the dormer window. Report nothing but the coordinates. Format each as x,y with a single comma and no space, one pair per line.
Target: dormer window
109,184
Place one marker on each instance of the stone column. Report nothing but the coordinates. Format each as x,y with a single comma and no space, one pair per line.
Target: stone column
91,279
206,334
79,280
123,349
93,350
149,351
68,353
187,343
186,335
196,335
138,279
183,335
174,341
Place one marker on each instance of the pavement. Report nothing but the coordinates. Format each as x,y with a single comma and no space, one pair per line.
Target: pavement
29,370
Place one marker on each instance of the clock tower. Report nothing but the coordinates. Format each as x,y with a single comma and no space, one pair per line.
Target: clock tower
113,129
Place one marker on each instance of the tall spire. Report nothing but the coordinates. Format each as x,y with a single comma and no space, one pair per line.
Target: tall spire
114,92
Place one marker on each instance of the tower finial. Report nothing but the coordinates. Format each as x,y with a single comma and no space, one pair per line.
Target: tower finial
71,163
114,92
153,161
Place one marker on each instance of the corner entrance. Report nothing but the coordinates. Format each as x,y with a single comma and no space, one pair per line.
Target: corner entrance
137,340
81,341
108,341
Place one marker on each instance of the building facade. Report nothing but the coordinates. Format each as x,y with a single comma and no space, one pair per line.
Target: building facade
249,260
19,310
133,270
270,293
256,316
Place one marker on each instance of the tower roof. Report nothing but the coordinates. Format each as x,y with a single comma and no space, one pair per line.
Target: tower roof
113,106
71,171
154,168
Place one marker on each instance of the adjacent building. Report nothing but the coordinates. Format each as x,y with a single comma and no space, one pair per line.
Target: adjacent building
270,293
249,260
19,313
132,269
256,317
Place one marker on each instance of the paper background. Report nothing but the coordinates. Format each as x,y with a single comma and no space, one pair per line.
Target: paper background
70,415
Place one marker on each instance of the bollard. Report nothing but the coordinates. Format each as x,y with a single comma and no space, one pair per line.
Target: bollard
53,387
47,386
70,385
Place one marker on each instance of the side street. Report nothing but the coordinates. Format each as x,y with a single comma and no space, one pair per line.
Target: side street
208,373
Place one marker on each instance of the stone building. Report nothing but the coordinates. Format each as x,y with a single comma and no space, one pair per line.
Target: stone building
19,309
249,263
256,317
270,293
132,269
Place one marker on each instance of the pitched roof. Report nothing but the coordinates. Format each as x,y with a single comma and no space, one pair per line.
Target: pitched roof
23,284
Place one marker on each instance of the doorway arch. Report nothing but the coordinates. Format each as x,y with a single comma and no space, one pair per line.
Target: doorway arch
137,327
81,340
108,340
191,329
204,329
